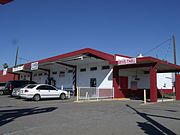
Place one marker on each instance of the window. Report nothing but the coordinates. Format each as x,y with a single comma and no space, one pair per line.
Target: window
83,70
35,74
93,68
61,74
42,87
40,74
2,84
45,87
93,82
45,73
105,67
32,82
50,88
70,71
54,73
31,86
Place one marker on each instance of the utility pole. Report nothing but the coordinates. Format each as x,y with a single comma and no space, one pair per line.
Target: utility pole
174,48
16,59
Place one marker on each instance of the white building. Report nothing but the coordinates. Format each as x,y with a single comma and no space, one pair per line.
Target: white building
92,68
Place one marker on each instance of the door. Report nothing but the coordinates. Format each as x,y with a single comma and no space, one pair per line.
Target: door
123,82
54,93
43,91
93,82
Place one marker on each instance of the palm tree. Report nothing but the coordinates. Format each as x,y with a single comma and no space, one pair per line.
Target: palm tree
5,65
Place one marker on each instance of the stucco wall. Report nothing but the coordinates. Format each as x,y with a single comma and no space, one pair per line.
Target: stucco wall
103,77
143,81
164,80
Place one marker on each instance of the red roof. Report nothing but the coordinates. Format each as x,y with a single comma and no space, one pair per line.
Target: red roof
94,52
5,1
163,65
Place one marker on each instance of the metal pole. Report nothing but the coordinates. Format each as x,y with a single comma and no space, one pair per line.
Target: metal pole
144,96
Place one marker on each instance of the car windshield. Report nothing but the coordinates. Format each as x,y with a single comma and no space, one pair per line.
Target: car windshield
31,86
23,86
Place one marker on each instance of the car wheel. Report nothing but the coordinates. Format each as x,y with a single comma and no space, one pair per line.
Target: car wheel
1,92
36,97
62,96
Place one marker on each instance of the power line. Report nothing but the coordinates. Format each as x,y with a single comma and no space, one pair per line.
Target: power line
157,46
167,53
24,59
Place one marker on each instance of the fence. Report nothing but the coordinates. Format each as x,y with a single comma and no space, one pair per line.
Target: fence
167,94
93,93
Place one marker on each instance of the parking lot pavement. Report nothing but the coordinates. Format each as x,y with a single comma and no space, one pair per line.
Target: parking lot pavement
57,117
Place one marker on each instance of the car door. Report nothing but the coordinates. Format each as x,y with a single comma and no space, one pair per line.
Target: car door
44,91
54,93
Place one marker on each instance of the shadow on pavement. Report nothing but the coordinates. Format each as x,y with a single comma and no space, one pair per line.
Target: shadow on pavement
152,127
7,116
166,117
149,129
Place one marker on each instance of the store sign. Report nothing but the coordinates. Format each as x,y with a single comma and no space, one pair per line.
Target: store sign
127,61
5,71
18,68
34,66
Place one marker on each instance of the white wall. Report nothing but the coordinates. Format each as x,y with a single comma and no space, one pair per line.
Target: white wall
65,80
103,77
143,81
164,80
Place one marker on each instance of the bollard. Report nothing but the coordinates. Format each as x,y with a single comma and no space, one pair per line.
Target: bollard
77,95
162,95
87,96
69,95
144,96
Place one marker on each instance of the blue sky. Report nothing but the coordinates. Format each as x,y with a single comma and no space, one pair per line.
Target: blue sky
46,28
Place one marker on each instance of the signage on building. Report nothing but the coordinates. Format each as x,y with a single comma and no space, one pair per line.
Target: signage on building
5,71
18,68
127,61
34,66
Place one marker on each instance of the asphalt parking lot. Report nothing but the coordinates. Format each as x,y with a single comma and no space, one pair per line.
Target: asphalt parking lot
57,117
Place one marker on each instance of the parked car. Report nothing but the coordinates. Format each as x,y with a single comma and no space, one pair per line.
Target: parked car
42,91
16,91
2,86
15,84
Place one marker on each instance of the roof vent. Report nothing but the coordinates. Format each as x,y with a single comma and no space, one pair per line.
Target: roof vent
140,55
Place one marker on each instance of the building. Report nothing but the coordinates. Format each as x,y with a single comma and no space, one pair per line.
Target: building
92,68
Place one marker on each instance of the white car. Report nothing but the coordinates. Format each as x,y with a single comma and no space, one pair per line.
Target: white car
41,91
16,91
